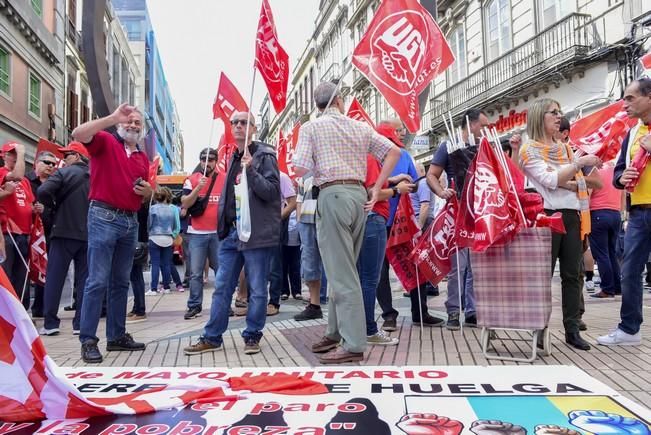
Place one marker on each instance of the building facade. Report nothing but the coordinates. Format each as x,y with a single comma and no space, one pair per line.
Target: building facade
31,72
152,92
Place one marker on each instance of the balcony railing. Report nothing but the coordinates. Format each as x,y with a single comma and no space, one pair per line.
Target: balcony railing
563,43
332,73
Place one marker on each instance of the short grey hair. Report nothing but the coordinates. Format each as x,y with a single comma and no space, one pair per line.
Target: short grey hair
325,93
43,154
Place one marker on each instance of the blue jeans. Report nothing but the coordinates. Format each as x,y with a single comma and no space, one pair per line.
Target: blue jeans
603,240
161,258
468,301
61,253
138,288
112,240
202,246
637,245
256,268
275,275
369,265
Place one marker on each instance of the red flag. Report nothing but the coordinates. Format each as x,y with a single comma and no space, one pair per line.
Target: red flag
271,60
402,51
601,133
286,149
224,152
488,211
37,252
432,253
153,171
227,101
403,237
645,61
357,112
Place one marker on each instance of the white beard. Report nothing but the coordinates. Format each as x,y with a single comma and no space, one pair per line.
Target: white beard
129,136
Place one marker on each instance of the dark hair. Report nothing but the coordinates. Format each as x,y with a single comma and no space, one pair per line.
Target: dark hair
163,194
208,152
565,124
644,85
472,115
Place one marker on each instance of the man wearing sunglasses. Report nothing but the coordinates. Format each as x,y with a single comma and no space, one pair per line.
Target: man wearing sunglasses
203,243
45,165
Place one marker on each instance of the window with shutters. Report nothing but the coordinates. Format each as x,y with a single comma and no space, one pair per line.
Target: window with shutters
499,28
457,40
72,13
34,97
5,72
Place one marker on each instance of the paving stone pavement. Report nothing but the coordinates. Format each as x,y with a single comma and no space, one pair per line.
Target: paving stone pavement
286,343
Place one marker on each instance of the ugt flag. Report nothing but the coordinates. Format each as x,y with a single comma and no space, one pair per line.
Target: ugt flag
401,241
271,60
227,101
37,252
357,112
489,209
401,52
286,150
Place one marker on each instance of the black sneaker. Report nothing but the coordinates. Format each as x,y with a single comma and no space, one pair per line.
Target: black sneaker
311,312
191,313
390,325
90,352
453,323
124,343
251,346
471,321
72,307
429,321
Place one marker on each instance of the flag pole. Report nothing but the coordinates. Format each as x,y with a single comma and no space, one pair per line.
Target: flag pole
339,82
246,135
461,310
22,293
205,165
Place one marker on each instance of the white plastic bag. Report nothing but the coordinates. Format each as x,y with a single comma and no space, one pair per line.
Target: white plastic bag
242,210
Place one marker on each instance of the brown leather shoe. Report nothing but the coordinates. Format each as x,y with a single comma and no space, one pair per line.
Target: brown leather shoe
602,295
340,356
324,345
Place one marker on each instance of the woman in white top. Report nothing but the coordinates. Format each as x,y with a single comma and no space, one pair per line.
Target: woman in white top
556,174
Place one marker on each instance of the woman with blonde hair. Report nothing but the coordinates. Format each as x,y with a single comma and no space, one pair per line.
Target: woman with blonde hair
556,174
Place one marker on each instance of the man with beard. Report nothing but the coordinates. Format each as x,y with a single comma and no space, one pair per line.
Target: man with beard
202,230
118,187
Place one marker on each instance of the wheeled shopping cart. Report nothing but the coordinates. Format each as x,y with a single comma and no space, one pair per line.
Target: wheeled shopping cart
512,286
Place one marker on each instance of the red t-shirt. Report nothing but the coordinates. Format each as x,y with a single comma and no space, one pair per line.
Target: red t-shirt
207,222
373,169
113,172
17,206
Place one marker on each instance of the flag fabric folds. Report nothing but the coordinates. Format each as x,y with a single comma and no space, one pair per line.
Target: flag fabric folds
286,149
357,112
271,59
227,101
402,51
37,252
402,238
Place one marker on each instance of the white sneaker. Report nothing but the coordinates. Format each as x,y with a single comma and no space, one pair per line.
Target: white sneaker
49,332
620,338
380,338
75,332
151,293
589,286
166,291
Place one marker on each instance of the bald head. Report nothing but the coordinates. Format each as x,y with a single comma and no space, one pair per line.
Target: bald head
323,94
239,123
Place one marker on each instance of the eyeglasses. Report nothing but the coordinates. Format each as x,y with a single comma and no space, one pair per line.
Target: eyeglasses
66,155
239,121
210,159
554,112
49,162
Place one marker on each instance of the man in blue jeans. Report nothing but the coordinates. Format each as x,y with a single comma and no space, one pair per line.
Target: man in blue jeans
258,159
637,240
118,187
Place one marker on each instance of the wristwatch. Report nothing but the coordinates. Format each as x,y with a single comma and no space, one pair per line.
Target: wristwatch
395,192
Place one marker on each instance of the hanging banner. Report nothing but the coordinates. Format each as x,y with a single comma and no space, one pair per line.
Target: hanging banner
514,400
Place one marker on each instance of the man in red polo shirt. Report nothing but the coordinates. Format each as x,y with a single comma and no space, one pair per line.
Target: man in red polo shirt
118,173
16,202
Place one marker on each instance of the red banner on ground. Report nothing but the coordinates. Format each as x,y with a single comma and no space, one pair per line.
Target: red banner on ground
271,60
402,51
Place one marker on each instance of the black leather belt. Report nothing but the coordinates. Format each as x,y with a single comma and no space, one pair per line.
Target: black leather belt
106,206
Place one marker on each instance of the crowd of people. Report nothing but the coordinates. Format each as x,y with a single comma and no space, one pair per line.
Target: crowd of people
327,227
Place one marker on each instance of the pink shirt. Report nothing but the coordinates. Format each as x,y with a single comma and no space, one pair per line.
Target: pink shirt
606,198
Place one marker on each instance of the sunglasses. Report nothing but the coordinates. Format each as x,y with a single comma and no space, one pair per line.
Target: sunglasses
66,155
239,121
554,112
49,162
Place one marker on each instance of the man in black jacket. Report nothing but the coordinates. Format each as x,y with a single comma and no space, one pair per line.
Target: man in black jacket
45,165
66,192
259,161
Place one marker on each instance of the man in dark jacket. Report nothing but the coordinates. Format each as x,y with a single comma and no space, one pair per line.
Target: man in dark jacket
45,165
66,193
259,161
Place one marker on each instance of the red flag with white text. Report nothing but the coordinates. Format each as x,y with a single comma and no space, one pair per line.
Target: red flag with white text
271,59
402,51
488,210
286,150
37,252
402,239
224,152
357,112
601,133
227,101
438,242
153,172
